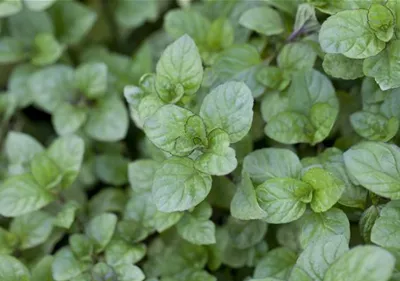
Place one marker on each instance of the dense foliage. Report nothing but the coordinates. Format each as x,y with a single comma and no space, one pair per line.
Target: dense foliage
199,140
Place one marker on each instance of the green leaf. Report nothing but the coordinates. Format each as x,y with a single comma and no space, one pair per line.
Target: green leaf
349,34
178,186
269,163
322,117
179,70
42,270
66,216
72,21
316,258
386,228
276,263
264,20
373,126
128,272
107,200
339,66
381,20
296,56
273,78
20,148
67,153
91,79
108,120
12,269
65,265
52,86
131,14
112,168
306,21
219,159
323,225
35,5
238,63
8,8
384,67
81,246
67,118
46,49
18,84
45,171
12,50
8,242
141,173
283,199
375,166
244,205
245,234
353,264
101,229
221,34
367,221
272,104
170,129
21,194
120,252
196,230
229,107
180,22
32,229
102,271
327,188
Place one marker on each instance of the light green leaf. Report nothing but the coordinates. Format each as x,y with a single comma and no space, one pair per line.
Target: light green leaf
107,200
52,86
322,117
264,20
8,8
67,118
273,78
21,194
179,70
221,34
386,227
20,148
219,159
36,5
129,272
42,270
327,188
348,33
18,84
81,246
67,152
385,66
339,66
91,79
367,221
277,263
244,205
112,168
32,229
229,107
362,263
141,173
101,229
72,21
65,265
323,225
290,128
12,269
180,22
375,166
8,242
12,50
272,104
108,120
296,56
66,216
120,252
245,234
306,21
178,186
269,163
283,199
196,230
46,49
238,63
170,130
133,13
374,126
103,271
45,171
381,20
317,257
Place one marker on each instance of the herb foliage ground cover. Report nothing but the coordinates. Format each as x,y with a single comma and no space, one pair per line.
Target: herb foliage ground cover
206,140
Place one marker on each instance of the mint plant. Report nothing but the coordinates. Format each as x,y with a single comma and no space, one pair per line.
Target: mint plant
199,140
